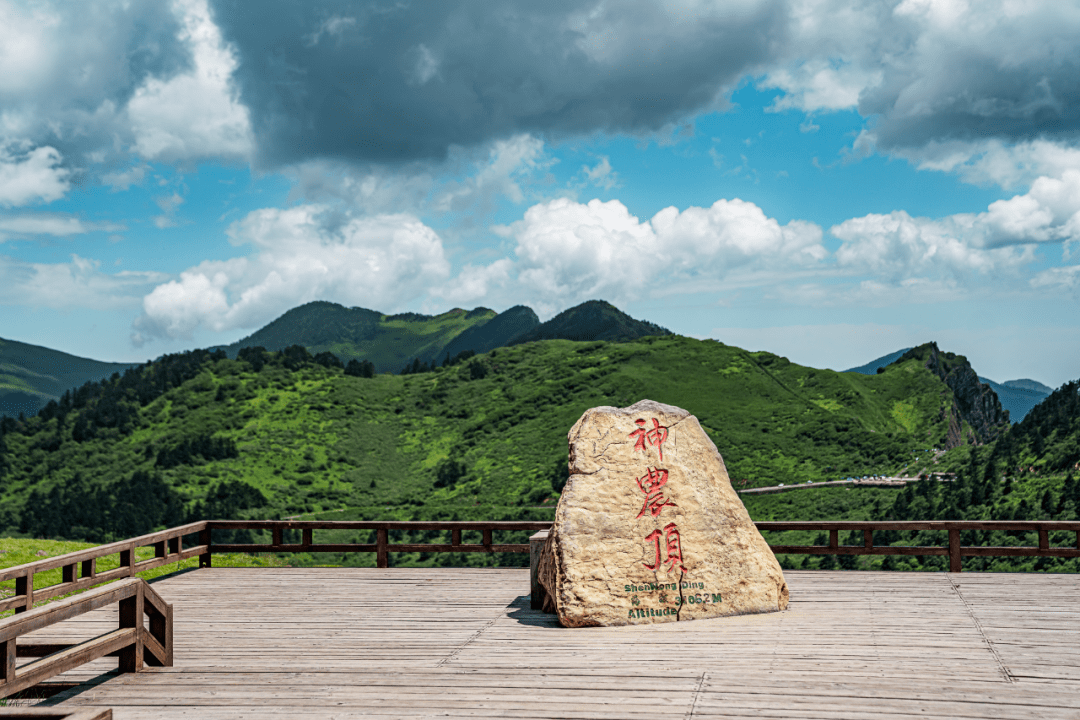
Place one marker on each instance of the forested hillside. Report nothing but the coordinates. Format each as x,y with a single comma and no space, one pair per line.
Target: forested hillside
274,434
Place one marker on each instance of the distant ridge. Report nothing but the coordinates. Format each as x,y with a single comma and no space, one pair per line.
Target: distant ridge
592,320
1018,399
31,375
391,342
872,367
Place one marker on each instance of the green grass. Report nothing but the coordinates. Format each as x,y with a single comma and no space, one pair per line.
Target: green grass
19,551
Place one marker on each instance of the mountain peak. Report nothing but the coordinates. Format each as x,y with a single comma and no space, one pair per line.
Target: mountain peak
589,321
973,401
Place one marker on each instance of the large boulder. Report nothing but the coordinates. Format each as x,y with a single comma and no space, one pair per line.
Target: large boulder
649,529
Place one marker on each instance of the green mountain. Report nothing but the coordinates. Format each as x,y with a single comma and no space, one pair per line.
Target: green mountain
973,403
31,376
277,433
592,320
387,341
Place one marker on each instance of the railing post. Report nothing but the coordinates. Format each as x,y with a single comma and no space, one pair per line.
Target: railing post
536,590
206,559
7,661
955,564
487,539
1044,539
868,539
276,535
131,616
25,586
127,559
306,537
455,537
382,558
834,539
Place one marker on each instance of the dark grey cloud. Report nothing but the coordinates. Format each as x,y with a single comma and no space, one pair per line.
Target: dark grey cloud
389,82
973,73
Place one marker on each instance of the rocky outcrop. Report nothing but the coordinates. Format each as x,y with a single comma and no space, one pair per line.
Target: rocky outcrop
973,402
648,528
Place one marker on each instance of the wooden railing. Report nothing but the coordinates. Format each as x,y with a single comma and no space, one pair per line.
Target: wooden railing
382,547
132,642
953,549
79,572
79,569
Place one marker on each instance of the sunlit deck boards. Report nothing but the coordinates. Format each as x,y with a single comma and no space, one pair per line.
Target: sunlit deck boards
401,643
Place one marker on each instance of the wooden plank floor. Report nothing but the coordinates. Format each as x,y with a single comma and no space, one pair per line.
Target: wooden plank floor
402,643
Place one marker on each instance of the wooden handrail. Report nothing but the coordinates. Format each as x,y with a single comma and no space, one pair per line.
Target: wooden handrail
953,549
79,568
382,546
169,548
132,642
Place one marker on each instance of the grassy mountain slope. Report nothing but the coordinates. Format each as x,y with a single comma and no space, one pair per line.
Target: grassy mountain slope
491,431
30,375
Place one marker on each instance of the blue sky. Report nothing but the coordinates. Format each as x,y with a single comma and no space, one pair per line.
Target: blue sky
827,180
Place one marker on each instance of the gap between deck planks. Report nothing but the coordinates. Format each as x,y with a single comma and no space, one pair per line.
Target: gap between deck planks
463,642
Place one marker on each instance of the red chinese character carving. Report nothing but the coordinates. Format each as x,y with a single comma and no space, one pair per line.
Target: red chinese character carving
654,437
674,547
654,536
652,485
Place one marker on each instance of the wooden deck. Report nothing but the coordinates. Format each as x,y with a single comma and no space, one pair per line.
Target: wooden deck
404,643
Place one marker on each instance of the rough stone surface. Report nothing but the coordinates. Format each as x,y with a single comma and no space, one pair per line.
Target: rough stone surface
649,529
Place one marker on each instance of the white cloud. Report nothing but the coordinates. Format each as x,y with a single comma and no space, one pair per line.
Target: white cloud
1067,277
77,284
55,224
601,175
568,252
509,163
28,176
193,114
301,254
124,179
1002,239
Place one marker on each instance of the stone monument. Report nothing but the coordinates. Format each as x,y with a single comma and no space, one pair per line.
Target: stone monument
649,529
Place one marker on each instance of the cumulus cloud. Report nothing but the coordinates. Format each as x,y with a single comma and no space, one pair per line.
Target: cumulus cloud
1002,239
391,84
77,284
300,254
567,251
31,176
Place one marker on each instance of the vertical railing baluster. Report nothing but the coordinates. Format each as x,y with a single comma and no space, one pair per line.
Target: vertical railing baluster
955,563
25,586
834,539
206,558
382,556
